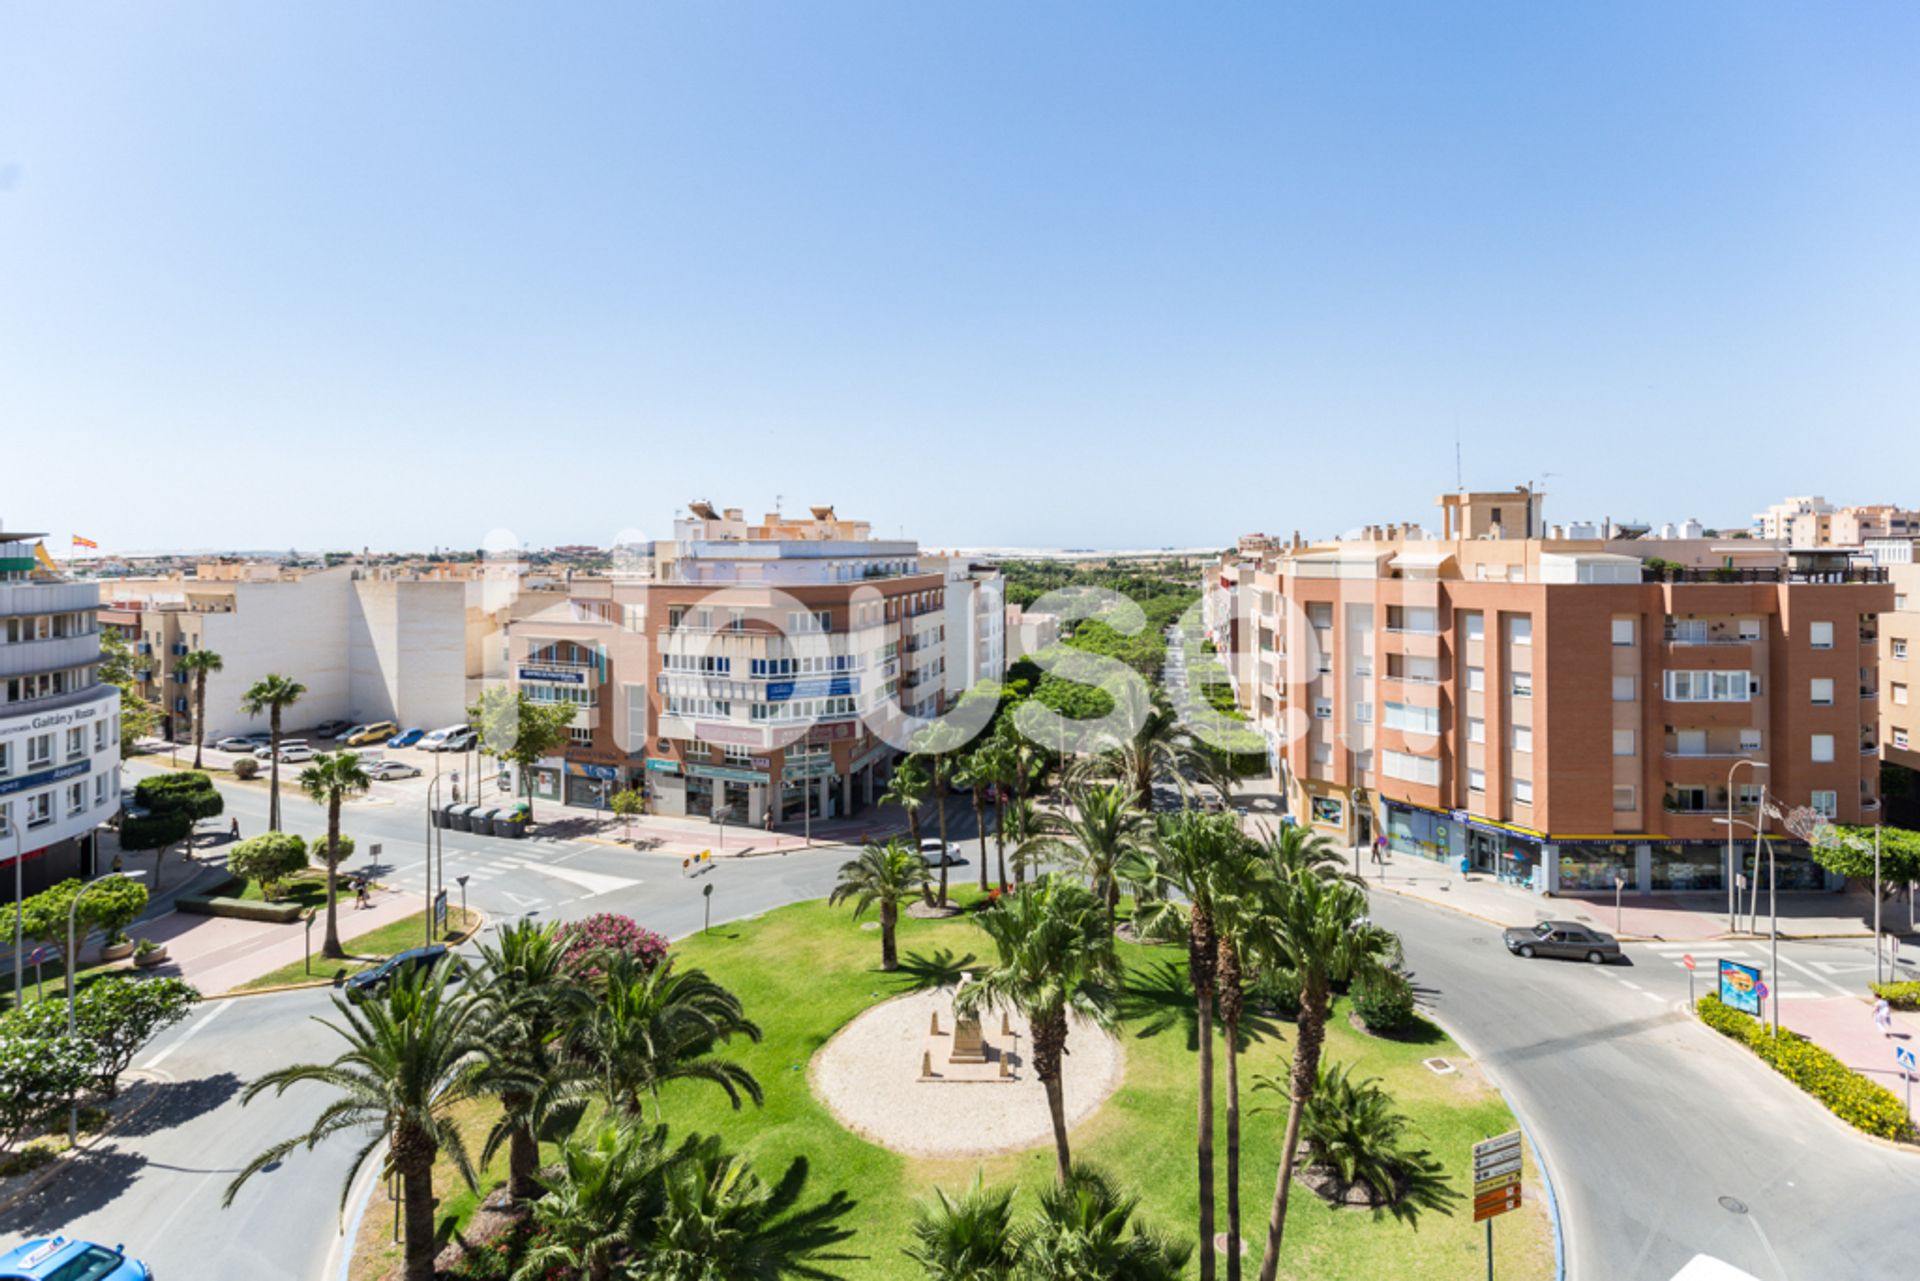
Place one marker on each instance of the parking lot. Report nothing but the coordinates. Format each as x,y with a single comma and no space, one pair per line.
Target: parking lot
455,768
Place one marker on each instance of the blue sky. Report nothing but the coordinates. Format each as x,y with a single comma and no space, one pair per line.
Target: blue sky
1106,275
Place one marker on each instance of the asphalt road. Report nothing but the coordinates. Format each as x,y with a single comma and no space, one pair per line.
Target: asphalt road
1649,1120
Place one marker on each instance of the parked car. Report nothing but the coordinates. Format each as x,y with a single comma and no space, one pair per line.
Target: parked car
266,749
331,729
1563,938
406,738
938,855
369,733
460,742
242,742
392,770
373,982
58,1259
436,741
295,753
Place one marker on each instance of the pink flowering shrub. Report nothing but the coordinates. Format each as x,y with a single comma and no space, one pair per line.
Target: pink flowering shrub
609,931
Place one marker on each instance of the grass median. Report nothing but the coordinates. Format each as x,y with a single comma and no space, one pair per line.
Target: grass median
366,950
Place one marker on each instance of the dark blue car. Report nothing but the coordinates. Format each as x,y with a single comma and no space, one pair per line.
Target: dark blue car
58,1259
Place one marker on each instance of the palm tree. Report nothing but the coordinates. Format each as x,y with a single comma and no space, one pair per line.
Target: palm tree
970,1237
887,875
1236,883
935,744
974,773
1156,746
1094,835
719,1220
1214,767
1316,925
329,781
652,1026
603,1196
199,662
1296,847
530,999
410,1062
272,694
1087,1232
908,789
994,764
1351,1128
1054,957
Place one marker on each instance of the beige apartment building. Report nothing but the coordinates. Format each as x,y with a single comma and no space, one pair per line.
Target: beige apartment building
1556,711
1900,668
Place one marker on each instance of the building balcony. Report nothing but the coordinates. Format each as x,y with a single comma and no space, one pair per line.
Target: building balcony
1852,575
22,658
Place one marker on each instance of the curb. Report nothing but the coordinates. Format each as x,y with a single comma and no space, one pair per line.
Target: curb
52,1169
1624,938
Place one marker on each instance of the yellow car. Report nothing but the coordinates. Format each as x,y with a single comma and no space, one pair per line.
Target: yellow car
375,732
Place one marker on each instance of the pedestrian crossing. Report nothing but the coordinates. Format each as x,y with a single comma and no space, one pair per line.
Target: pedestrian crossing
1797,980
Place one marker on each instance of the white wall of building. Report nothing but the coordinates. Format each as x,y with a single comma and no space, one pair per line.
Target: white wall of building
76,784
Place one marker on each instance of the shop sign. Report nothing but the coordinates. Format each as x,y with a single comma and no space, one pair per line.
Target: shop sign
580,769
808,767
818,687
868,758
1328,809
740,735
831,732
1490,825
664,767
726,773
44,777
54,720
553,675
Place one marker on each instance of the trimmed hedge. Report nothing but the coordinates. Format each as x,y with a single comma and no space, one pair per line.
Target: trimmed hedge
238,908
1901,996
1863,1104
1384,1002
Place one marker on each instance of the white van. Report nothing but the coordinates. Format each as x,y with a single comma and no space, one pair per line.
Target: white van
437,741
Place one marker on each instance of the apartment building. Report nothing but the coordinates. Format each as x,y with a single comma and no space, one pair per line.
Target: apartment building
1558,711
1900,667
386,643
59,726
760,668
1814,522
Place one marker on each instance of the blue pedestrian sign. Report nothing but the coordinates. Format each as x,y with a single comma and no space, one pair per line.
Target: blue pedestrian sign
1904,1057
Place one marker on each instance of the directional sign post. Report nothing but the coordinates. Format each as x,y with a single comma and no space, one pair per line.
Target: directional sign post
1903,1057
1496,1182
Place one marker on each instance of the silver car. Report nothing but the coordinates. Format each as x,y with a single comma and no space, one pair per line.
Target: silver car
392,769
1564,939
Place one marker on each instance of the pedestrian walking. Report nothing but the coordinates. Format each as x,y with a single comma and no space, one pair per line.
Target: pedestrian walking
234,830
1380,850
360,896
1883,1016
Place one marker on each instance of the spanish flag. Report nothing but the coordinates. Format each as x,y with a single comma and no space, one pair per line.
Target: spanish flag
85,542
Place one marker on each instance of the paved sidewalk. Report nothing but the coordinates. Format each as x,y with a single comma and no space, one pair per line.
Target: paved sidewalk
1844,1025
218,954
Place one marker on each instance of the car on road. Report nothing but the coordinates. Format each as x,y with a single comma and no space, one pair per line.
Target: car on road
331,729
437,740
374,982
388,770
266,749
461,742
1565,939
58,1259
406,738
244,743
938,855
370,733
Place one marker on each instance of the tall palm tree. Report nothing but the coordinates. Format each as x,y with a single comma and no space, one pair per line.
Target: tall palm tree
329,781
1086,1231
410,1062
604,1195
886,875
1236,882
936,745
1054,957
1316,925
1157,745
1214,767
1296,847
994,763
272,694
974,772
200,663
652,1026
908,789
1100,827
530,999
970,1237
1188,850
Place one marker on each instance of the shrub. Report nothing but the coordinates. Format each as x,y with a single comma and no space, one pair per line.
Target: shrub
1863,1104
609,932
37,1075
187,792
1276,991
268,858
1351,1128
113,1018
246,767
239,909
1901,996
112,904
1384,1002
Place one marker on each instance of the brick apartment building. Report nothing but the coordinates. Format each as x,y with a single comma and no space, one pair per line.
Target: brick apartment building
1558,710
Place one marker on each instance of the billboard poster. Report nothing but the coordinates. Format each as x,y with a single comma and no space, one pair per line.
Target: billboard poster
1740,987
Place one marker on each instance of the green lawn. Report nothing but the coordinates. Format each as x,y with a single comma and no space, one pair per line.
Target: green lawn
367,950
804,971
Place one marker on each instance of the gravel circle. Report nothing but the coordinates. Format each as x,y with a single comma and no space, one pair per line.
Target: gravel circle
868,1075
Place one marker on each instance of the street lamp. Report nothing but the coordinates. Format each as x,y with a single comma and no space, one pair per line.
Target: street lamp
1733,896
19,903
73,950
1619,883
433,792
1761,843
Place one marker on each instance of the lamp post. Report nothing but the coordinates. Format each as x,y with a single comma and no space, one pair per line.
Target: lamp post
1761,843
19,904
73,909
1619,883
1733,896
433,792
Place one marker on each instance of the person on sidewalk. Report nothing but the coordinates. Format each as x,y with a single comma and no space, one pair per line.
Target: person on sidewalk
1379,851
234,830
1883,1016
360,897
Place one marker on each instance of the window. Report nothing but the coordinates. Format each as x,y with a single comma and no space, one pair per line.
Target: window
1749,629
1363,712
579,737
1522,738
1623,801
76,798
1822,748
1900,649
39,750
1623,631
40,810
1820,635
1623,689
1821,688
1323,709
1476,626
1523,684
1690,742
1523,791
1476,678
734,754
100,736
1522,630
6,760
1322,754
1826,804
100,782
1623,744
1899,694
1900,738
1414,720
1476,730
1749,795
1709,687
1476,780
1411,768
1749,740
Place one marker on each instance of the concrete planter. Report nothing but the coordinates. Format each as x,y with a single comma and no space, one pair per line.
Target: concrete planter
117,951
147,960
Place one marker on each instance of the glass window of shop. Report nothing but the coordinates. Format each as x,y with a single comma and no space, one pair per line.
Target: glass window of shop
1689,865
1507,856
1411,831
1591,867
699,796
546,783
1794,866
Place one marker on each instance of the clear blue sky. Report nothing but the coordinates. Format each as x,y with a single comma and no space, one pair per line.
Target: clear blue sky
1095,274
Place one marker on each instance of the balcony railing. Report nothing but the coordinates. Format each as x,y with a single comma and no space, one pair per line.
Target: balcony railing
1854,574
1675,638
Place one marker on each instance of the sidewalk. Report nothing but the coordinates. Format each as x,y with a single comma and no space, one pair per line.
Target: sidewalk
684,837
1844,1026
217,953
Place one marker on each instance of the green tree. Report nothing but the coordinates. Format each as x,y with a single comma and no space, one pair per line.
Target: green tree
189,794
112,903
156,832
653,1026
1351,1128
1054,958
601,1195
974,772
37,1075
200,663
992,764
970,1237
627,803
1087,1231
936,745
721,1221
139,717
516,729
1098,830
329,782
114,1016
908,789
410,1062
1852,856
269,858
884,874
272,694
530,1000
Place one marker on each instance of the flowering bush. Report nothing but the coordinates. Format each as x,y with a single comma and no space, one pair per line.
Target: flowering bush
1865,1105
609,932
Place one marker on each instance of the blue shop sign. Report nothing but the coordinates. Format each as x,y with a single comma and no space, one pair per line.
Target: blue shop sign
553,675
44,777
821,687
665,767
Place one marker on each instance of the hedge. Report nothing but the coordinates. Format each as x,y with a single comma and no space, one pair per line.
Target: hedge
1861,1103
238,908
1901,996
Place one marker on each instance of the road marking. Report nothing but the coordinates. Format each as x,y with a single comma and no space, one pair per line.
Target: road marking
592,882
1657,1000
1815,975
188,1035
1635,986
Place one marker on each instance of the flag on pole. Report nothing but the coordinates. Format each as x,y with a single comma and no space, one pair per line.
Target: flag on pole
85,542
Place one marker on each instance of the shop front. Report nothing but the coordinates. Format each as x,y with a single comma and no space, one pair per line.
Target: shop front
548,777
1793,867
1421,832
590,785
1681,866
1591,866
1510,854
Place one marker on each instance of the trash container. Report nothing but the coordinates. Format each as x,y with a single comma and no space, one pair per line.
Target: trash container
443,815
482,821
503,824
458,817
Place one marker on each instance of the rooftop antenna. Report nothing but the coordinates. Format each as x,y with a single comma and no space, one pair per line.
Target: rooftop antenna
779,500
1459,483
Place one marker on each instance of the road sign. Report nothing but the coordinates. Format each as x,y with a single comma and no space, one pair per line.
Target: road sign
1687,960
1760,990
1496,1203
373,850
1904,1057
440,911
